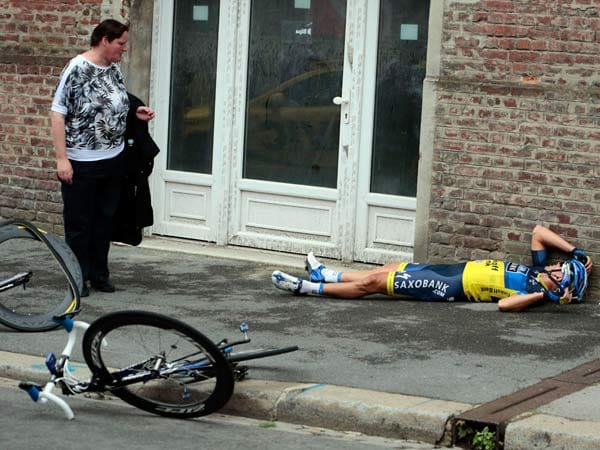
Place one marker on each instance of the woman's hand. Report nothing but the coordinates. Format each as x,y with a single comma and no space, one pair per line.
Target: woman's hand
64,170
144,113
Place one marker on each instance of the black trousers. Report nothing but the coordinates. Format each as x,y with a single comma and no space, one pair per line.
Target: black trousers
89,204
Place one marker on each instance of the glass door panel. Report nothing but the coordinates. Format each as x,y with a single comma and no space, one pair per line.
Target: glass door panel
193,79
401,61
295,66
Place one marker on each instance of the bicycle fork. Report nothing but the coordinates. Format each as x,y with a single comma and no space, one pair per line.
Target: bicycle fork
44,394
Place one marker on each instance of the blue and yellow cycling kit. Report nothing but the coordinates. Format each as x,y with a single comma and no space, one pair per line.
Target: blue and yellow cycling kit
484,281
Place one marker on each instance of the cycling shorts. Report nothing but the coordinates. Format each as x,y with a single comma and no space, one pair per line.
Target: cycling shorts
432,282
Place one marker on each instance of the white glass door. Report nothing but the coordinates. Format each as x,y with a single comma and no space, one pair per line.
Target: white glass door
192,77
287,178
386,201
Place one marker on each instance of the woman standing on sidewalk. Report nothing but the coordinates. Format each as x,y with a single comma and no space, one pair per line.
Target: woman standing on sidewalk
88,119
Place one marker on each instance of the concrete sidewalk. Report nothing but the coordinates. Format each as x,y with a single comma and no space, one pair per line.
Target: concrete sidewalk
376,366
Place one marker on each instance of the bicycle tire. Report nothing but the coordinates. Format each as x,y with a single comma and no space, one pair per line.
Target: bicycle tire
256,354
132,336
22,319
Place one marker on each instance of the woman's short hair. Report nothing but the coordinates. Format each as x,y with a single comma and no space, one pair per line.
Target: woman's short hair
109,28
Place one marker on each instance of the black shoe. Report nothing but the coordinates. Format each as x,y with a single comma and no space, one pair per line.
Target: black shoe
103,286
85,291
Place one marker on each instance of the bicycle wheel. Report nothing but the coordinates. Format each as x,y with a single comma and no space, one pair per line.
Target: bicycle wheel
158,364
256,354
23,247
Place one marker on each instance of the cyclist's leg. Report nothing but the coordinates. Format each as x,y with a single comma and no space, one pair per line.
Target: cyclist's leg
372,282
363,274
318,272
353,284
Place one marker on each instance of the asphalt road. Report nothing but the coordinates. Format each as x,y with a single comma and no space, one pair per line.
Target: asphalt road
464,352
111,424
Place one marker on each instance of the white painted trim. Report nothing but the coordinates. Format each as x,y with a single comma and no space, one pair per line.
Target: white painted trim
240,62
160,79
364,197
428,125
391,201
350,133
291,190
223,145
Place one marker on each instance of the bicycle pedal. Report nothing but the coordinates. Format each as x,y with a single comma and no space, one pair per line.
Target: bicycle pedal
240,372
244,329
32,389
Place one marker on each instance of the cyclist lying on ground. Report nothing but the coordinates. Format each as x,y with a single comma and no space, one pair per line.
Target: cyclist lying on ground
513,286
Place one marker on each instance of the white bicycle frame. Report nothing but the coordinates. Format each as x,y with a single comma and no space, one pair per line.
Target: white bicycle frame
45,395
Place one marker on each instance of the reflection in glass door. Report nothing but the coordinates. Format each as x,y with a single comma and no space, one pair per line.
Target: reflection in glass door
193,80
401,59
295,66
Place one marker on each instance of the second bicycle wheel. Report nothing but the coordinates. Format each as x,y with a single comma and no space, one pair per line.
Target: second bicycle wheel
56,277
158,364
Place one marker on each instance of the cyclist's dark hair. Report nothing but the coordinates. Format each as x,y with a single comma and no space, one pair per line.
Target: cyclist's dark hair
109,28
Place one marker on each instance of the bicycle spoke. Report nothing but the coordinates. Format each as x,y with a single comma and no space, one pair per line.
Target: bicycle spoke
170,370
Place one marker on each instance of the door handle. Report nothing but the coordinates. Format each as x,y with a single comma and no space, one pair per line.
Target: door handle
343,102
345,129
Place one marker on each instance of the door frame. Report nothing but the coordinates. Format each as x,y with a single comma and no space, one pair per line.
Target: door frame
352,200
209,222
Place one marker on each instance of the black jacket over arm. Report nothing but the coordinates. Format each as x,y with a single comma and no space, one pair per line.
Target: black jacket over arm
135,207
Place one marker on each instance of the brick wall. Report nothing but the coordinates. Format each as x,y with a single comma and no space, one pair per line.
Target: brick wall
518,137
37,38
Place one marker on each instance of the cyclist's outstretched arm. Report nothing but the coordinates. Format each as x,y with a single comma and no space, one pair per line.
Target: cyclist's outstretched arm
519,302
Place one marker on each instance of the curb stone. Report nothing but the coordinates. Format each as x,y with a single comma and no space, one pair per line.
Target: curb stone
376,413
551,433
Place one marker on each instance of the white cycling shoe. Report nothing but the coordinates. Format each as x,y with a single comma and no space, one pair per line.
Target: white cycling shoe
285,282
314,268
